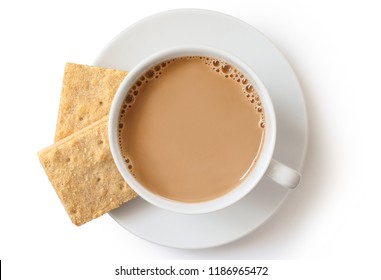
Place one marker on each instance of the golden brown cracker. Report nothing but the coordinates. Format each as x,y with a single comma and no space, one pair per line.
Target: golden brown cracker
86,96
83,173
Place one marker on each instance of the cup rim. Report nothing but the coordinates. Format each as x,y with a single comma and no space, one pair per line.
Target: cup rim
254,176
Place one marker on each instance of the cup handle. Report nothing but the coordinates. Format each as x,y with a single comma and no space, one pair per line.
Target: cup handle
283,175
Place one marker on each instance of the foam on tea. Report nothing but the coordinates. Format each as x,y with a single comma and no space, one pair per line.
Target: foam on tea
191,128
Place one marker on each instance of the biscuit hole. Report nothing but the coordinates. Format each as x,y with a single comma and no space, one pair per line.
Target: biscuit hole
100,142
98,180
80,119
100,103
68,159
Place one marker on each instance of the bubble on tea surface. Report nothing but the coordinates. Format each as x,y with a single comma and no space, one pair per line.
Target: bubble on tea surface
249,88
244,80
136,92
129,98
139,83
216,63
226,69
150,74
157,68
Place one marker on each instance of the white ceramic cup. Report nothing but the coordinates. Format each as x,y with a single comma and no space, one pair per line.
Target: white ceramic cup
265,165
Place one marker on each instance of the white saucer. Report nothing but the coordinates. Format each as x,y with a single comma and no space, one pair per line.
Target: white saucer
189,26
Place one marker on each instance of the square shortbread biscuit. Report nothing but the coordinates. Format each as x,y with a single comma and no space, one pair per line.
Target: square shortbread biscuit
84,175
86,96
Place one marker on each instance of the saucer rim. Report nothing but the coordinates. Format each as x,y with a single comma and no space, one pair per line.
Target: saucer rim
123,33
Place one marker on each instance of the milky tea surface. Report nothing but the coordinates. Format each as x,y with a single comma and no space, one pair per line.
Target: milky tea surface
191,128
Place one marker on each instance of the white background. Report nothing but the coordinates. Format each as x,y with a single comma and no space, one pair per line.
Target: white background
333,216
